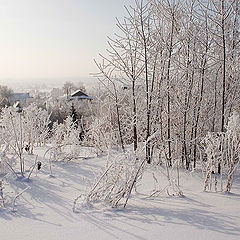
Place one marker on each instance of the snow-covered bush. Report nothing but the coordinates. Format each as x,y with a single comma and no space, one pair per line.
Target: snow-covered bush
222,150
100,135
116,182
64,141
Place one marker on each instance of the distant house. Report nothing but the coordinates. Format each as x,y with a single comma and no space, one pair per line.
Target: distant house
19,97
79,95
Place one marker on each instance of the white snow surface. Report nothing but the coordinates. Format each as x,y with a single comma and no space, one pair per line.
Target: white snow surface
45,210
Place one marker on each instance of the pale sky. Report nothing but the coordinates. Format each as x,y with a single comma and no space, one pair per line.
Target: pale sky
55,38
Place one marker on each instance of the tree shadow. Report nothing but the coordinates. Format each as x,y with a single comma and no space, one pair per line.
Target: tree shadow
206,218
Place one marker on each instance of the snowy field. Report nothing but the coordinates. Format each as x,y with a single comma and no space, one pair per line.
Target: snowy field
45,210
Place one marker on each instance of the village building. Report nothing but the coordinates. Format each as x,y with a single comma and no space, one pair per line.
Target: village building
79,95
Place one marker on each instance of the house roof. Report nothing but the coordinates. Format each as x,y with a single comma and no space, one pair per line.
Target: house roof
80,95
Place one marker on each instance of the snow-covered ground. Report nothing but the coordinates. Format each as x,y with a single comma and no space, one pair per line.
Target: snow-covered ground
45,210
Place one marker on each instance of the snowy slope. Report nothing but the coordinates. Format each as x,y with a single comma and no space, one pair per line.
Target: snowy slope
45,210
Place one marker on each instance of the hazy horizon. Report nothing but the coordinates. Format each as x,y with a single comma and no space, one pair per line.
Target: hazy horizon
47,83
49,40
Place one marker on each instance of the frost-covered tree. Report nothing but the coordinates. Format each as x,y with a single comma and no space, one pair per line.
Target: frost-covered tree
5,96
19,130
37,120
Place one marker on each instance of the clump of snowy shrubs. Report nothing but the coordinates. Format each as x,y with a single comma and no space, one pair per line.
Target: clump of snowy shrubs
122,174
22,131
